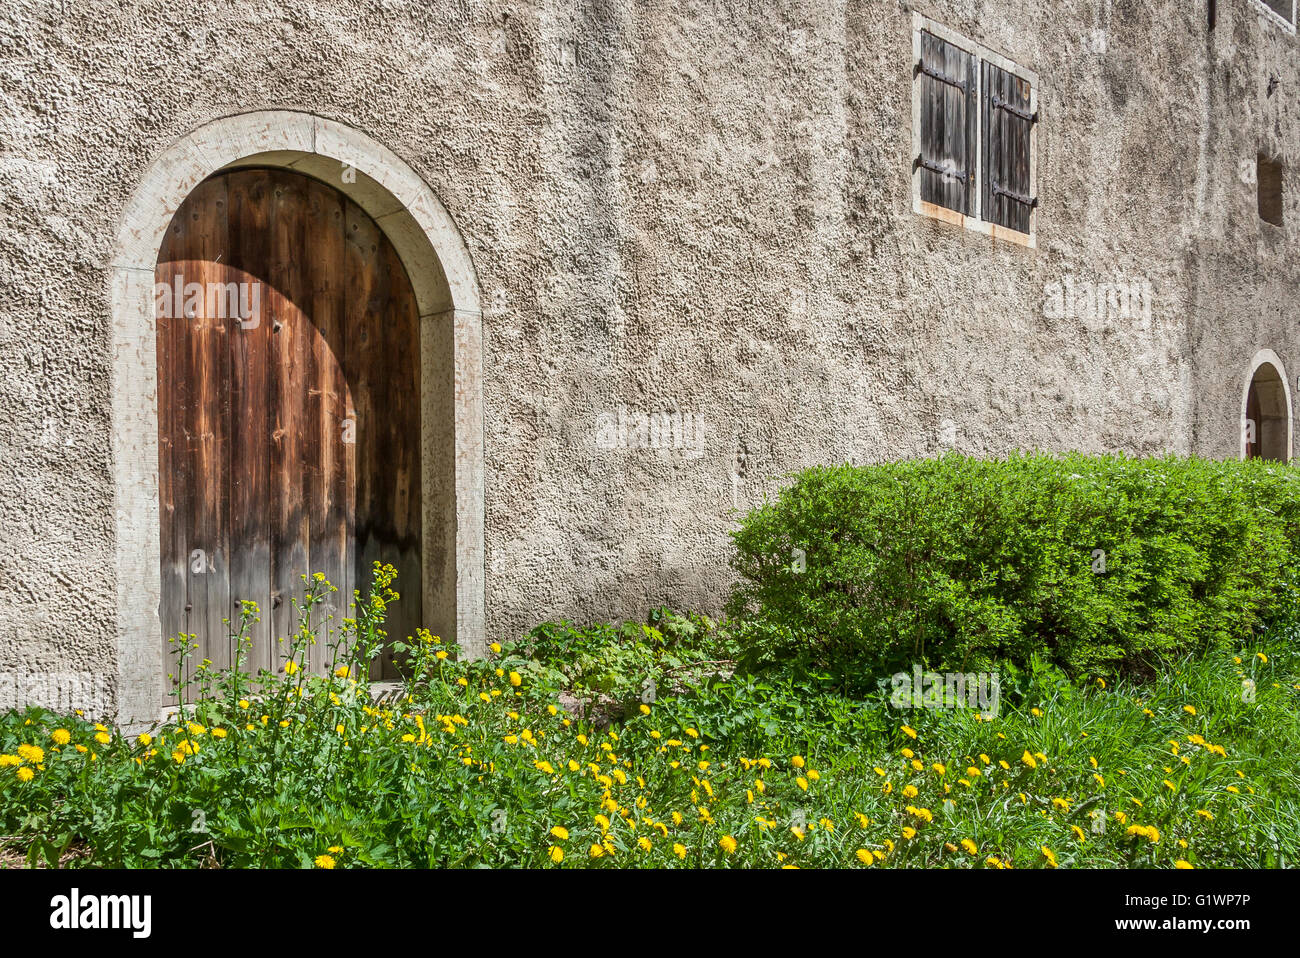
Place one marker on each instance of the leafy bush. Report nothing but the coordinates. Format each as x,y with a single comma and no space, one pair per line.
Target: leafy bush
1103,564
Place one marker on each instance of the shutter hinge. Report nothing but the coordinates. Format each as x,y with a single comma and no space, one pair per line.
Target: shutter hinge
941,77
999,190
1001,104
947,170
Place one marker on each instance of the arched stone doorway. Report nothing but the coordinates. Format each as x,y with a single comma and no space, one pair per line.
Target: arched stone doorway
446,293
1266,411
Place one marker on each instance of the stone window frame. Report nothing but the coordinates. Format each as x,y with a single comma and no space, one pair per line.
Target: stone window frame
974,222
1277,18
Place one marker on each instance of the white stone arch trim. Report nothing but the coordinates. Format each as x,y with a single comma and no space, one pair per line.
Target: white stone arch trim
1265,357
448,296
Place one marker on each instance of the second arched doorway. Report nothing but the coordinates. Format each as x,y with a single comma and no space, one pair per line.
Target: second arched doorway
1266,413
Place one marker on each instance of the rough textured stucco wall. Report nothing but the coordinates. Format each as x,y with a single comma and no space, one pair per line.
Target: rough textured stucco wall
699,206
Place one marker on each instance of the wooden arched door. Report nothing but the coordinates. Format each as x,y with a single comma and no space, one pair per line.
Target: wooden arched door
288,409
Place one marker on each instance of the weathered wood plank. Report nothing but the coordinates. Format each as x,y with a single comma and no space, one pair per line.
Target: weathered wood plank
250,559
173,458
216,377
365,304
198,448
289,375
400,467
326,469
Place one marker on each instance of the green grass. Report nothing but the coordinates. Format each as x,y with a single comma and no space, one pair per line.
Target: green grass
451,779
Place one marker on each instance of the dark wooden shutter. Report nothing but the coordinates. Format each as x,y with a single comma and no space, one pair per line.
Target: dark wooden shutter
1008,123
947,78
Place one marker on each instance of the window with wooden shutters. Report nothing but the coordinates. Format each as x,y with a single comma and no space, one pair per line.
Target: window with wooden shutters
947,79
974,135
1007,122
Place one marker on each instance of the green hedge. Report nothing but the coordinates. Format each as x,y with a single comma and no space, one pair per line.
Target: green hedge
959,562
